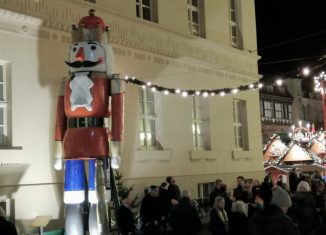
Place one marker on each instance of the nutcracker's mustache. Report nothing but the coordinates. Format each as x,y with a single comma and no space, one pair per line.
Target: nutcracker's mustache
85,63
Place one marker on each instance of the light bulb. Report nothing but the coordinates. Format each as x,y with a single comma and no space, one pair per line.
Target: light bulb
279,82
306,71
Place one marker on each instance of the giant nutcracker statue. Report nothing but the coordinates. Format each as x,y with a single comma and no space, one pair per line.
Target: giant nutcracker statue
89,126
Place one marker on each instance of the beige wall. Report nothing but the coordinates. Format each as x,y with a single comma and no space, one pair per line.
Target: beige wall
36,48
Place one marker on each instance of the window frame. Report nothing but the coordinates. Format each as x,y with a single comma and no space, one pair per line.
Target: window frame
4,81
152,7
235,39
192,24
284,111
146,118
201,191
191,8
289,108
278,110
269,109
240,137
197,120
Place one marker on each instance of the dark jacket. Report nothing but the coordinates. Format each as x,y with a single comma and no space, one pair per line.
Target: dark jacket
293,181
184,218
7,227
238,193
164,201
216,225
174,192
216,192
266,192
125,220
303,212
150,210
271,221
238,224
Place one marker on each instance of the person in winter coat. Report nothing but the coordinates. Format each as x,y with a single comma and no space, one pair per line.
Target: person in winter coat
125,218
265,191
150,212
174,190
238,191
218,224
165,204
272,219
217,191
238,222
184,217
303,211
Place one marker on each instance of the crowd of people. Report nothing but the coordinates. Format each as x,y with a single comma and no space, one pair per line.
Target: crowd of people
252,208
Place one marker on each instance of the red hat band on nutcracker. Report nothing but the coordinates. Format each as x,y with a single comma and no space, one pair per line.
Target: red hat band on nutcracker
90,28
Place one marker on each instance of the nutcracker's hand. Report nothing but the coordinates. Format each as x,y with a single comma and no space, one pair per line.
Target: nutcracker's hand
116,153
58,158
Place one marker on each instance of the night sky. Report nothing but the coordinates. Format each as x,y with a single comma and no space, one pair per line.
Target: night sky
279,21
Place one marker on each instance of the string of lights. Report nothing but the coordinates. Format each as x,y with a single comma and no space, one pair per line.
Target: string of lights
185,93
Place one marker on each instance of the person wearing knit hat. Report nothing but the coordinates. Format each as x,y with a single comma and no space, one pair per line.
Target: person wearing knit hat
303,211
303,186
272,219
282,199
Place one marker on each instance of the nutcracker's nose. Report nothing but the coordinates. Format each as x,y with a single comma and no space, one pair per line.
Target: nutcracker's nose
80,54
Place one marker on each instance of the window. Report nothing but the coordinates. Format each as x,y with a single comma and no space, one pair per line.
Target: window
146,9
199,124
204,189
147,118
287,110
281,90
196,17
290,111
240,124
3,106
268,109
234,26
277,110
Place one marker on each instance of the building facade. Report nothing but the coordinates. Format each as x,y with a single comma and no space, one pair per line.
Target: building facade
281,107
275,111
176,44
307,104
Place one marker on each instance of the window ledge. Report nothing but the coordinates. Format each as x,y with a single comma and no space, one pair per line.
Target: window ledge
203,154
242,154
10,147
153,155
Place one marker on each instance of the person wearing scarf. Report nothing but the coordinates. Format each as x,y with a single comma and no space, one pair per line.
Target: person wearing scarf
218,224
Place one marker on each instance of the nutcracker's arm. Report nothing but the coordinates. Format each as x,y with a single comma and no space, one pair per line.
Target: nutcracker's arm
117,108
60,128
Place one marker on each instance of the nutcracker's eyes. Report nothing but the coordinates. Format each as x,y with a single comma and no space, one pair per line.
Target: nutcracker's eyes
74,49
93,48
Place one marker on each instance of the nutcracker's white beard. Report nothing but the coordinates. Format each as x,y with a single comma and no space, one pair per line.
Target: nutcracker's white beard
81,92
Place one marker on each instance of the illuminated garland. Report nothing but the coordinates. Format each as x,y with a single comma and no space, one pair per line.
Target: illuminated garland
223,91
184,92
320,82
